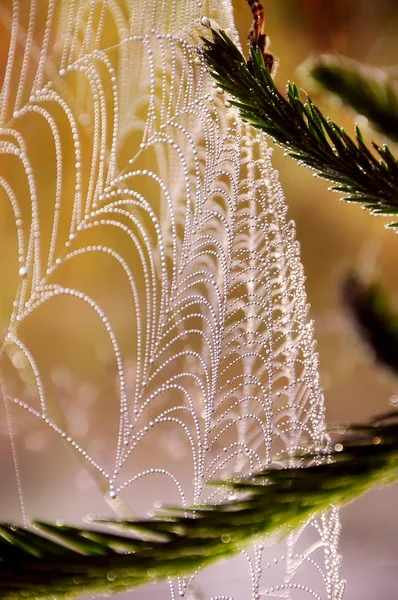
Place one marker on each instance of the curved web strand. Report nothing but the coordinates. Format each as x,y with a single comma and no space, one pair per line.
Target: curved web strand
154,319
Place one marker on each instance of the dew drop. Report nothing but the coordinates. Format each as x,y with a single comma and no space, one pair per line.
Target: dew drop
394,400
205,22
23,271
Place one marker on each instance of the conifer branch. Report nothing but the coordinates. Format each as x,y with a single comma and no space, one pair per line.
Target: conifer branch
302,130
369,91
66,562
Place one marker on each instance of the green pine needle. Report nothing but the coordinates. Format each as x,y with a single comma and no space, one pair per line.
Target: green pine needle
302,130
66,562
369,91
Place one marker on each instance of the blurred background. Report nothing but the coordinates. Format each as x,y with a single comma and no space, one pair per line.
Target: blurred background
336,238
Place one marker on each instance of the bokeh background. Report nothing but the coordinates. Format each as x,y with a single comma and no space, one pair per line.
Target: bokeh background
335,238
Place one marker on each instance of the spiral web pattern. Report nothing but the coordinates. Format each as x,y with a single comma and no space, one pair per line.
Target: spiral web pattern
154,316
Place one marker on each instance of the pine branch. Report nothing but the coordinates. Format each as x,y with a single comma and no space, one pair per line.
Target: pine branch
302,130
369,91
376,322
78,561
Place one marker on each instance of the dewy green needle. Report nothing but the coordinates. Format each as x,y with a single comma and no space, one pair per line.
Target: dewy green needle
302,130
370,91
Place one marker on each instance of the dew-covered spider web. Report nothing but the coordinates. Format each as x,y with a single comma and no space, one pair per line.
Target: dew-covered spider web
154,322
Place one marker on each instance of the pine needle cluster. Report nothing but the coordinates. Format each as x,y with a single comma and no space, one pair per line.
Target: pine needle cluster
362,175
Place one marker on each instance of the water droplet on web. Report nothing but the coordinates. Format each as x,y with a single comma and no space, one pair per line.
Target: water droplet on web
394,400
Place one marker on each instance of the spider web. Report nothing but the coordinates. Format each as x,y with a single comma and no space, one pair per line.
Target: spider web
154,318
